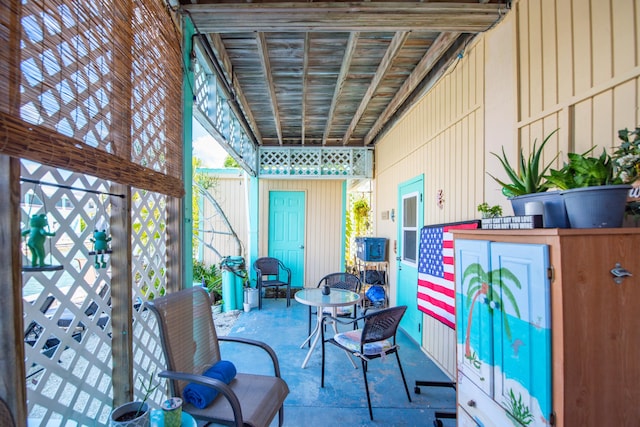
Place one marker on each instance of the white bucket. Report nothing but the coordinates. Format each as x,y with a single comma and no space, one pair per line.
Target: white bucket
251,296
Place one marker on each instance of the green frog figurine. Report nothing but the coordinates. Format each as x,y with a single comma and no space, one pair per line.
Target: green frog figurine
100,247
37,237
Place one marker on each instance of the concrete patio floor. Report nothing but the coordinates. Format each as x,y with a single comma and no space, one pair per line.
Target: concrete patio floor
343,400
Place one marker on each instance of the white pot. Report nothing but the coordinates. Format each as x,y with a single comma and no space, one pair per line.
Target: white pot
142,420
247,307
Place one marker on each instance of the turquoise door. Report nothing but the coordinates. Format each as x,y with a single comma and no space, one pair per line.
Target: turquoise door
286,231
410,221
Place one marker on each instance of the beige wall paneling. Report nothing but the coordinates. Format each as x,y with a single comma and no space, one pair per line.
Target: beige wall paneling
500,110
582,49
601,36
623,46
565,51
323,223
536,57
230,195
549,54
626,106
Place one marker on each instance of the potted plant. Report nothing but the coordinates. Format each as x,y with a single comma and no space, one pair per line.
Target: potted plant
210,278
527,183
489,211
593,192
134,414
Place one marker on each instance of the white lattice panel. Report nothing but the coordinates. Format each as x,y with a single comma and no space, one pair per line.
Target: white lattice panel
67,312
211,102
148,216
326,162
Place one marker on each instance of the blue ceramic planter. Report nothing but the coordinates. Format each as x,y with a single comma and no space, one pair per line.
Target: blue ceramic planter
596,207
555,215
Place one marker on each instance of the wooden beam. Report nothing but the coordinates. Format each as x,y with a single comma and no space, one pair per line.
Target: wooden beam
225,62
263,51
393,49
342,77
305,71
121,296
12,386
343,16
430,58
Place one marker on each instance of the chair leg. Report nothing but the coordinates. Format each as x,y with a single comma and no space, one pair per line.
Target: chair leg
322,376
259,297
281,416
366,386
404,381
288,296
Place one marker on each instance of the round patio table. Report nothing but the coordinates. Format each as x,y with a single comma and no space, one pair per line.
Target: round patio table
315,298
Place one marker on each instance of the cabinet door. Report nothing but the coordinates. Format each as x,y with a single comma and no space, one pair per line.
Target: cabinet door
473,318
520,305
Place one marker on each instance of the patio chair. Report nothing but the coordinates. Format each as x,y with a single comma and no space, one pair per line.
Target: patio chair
270,273
6,419
191,346
346,281
376,339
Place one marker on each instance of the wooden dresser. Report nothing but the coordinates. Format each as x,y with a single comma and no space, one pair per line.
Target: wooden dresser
593,328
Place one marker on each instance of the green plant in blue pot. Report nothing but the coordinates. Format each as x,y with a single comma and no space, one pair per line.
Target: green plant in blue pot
593,192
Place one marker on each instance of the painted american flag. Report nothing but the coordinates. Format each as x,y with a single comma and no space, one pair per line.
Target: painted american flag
436,293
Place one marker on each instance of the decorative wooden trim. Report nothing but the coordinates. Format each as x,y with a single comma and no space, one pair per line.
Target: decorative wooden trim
21,139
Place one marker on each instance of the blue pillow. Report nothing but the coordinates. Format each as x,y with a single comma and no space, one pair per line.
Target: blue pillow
200,395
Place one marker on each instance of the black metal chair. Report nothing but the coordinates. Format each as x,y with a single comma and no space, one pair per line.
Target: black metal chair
271,272
340,280
376,339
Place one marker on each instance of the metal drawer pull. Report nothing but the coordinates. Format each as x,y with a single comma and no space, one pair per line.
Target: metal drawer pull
472,403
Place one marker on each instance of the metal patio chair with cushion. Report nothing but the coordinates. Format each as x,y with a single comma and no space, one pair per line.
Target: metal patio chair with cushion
271,272
191,349
346,281
376,339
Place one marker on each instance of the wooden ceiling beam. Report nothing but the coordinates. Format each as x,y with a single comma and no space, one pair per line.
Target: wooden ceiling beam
426,64
349,52
392,51
225,62
263,51
305,72
343,16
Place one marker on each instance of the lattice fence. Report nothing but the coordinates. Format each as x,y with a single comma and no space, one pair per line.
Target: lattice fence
326,162
67,310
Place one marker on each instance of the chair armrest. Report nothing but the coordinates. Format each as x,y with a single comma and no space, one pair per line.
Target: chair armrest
220,386
259,344
288,271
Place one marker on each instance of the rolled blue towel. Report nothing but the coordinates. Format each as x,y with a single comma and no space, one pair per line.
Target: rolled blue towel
200,395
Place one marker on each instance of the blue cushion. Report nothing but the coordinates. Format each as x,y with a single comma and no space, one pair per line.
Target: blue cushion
351,340
200,395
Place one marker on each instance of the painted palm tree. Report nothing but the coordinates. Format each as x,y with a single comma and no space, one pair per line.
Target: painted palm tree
479,284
